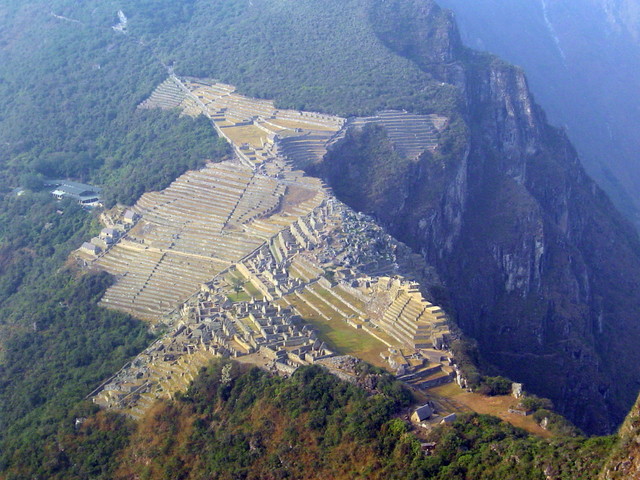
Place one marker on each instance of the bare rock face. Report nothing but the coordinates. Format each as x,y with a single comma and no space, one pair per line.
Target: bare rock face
541,268
553,262
582,59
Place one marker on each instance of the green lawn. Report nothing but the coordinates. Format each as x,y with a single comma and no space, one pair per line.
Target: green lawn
253,291
343,338
239,296
326,295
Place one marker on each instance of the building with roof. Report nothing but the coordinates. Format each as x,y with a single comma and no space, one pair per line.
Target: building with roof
449,418
130,217
109,235
422,413
90,248
86,195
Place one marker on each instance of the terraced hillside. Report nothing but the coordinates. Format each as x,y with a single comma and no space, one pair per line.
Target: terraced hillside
410,133
256,128
252,259
276,308
167,95
207,220
203,223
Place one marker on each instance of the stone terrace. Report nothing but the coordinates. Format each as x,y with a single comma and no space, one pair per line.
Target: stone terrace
409,318
412,134
202,223
248,258
265,308
167,95
151,284
257,128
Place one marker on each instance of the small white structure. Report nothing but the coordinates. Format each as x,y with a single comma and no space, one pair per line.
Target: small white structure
109,235
449,418
517,390
90,248
130,217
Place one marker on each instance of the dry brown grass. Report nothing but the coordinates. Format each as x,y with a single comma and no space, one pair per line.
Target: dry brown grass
301,124
295,195
497,406
246,134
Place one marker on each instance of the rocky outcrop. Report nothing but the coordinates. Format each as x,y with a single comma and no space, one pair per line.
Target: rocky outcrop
541,268
430,35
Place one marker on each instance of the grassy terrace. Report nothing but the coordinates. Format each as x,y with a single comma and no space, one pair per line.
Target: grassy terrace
341,337
291,124
454,398
323,307
252,290
246,134
249,324
326,295
294,271
233,277
239,296
352,299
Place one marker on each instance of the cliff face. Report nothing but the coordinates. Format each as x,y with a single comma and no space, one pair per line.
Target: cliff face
541,268
582,59
544,268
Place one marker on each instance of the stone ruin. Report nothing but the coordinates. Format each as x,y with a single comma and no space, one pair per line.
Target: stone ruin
239,259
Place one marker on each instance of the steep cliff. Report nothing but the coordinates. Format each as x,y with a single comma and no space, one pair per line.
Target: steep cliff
539,265
541,268
582,59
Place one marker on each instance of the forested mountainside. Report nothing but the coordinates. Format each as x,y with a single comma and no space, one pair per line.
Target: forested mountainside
582,58
68,96
623,461
237,422
539,266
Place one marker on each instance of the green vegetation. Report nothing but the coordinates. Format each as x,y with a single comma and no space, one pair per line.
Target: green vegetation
239,297
494,386
155,149
237,422
344,339
68,97
56,345
75,115
263,48
483,447
60,347
365,171
467,357
534,403
68,93
144,153
620,464
367,174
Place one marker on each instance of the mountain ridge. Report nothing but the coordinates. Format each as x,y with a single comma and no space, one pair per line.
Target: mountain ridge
498,165
515,237
582,60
